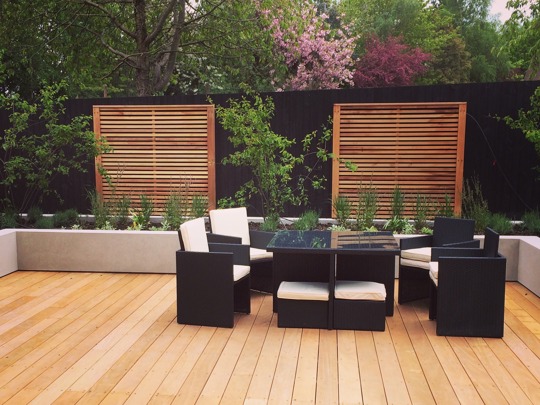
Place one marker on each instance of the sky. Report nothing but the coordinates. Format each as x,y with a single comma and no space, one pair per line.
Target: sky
498,7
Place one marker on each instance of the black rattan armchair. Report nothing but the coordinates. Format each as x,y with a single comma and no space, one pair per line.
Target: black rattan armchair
416,254
231,225
467,290
212,279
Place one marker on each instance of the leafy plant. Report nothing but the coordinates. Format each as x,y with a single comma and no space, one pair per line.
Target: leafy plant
176,208
500,223
474,205
398,203
267,154
307,221
34,214
65,219
270,223
531,221
529,122
8,219
342,208
45,223
367,207
199,206
100,210
445,209
399,225
141,216
33,158
422,212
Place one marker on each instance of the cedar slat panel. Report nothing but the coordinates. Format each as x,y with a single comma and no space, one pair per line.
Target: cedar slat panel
156,149
418,146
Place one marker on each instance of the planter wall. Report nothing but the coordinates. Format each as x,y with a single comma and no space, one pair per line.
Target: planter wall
153,252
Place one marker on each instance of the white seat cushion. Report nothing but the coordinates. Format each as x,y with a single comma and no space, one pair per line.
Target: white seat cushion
360,290
240,271
257,255
303,290
414,263
422,254
231,222
434,272
194,235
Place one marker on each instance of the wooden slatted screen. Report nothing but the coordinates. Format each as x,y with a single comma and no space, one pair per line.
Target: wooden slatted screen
157,149
418,146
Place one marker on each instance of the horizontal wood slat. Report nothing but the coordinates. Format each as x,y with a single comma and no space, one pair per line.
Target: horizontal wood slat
157,150
418,146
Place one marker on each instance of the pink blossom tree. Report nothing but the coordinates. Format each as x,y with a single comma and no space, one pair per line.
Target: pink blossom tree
389,63
315,56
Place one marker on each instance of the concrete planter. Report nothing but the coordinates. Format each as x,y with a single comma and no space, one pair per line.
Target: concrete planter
153,252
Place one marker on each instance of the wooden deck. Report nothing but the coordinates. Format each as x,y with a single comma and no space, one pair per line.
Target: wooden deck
90,338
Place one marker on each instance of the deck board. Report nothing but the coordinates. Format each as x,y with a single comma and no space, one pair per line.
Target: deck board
89,338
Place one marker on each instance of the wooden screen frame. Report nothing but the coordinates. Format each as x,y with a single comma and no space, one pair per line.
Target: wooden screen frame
155,149
418,146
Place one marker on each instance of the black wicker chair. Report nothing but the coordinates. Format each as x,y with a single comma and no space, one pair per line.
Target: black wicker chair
231,225
416,254
467,290
212,279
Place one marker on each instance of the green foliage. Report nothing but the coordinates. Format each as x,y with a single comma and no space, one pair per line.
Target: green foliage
445,208
176,208
45,223
397,203
119,208
270,223
422,212
500,223
33,159
34,214
342,208
531,221
8,219
367,207
529,122
141,216
399,225
474,206
100,210
268,155
199,206
66,218
309,220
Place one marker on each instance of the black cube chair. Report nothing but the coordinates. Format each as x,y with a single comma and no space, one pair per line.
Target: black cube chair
467,290
230,225
415,254
212,279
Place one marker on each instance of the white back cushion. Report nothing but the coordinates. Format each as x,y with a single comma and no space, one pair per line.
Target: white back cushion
231,222
194,235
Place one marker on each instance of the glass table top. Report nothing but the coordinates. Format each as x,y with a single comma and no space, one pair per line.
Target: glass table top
339,241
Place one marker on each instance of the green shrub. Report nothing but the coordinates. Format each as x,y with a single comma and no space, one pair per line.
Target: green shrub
100,210
120,211
65,219
270,223
307,221
45,223
500,224
445,208
8,219
199,206
34,214
422,212
342,208
397,204
531,222
474,205
141,217
367,207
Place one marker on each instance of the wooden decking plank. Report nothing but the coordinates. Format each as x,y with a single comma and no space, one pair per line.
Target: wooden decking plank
350,389
218,380
415,379
284,378
327,368
370,370
252,377
305,382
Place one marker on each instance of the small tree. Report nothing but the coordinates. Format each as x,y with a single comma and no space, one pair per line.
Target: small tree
389,63
267,155
39,146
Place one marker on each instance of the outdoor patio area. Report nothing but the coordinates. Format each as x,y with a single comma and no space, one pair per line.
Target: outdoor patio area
91,338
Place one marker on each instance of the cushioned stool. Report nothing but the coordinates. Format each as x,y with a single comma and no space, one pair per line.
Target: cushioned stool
303,304
359,305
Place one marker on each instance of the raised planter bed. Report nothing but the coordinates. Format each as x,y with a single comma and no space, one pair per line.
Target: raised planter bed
153,252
